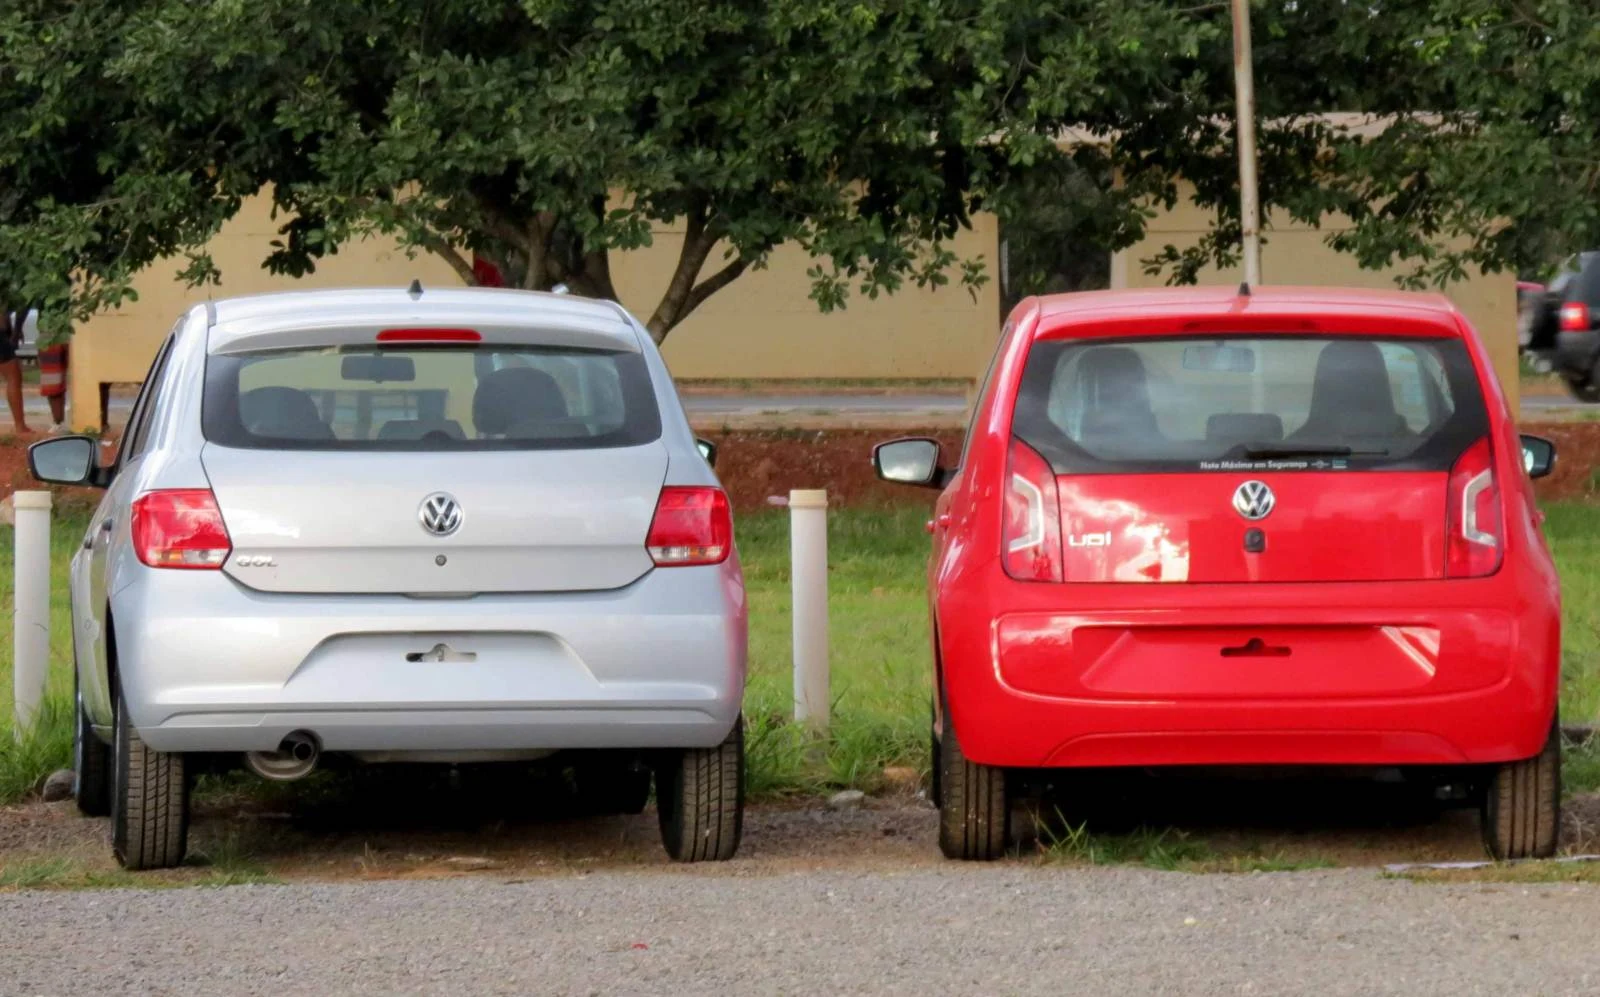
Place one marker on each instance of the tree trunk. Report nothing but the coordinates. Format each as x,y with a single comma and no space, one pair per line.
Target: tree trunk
533,262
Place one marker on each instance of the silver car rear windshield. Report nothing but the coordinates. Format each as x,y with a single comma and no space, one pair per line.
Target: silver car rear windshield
1240,403
429,398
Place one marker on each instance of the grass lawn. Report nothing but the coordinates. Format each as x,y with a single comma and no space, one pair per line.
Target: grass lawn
879,628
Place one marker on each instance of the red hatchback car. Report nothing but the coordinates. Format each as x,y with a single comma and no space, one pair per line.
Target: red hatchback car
1263,527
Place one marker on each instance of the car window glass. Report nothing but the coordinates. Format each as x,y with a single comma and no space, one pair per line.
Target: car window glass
985,388
1410,372
429,398
1181,403
137,433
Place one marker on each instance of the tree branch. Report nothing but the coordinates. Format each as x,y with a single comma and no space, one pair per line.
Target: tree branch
442,249
698,239
539,228
714,283
597,262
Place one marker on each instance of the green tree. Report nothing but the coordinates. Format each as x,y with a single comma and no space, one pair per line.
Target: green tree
544,135
1500,165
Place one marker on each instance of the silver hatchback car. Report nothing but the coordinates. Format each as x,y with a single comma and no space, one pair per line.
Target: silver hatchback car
403,525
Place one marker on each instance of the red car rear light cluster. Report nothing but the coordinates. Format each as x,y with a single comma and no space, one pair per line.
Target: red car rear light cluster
1574,316
1032,551
1476,523
691,526
180,528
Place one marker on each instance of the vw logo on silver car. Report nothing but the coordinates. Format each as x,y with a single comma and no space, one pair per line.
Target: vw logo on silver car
440,514
1253,500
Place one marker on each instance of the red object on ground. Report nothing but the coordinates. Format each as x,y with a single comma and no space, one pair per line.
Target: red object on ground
1360,580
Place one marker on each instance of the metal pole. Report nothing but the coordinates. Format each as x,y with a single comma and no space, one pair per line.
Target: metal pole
30,622
1244,87
808,568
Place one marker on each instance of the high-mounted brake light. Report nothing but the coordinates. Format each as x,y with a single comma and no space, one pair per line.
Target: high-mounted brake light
1476,541
1574,317
691,526
180,528
430,336
1032,538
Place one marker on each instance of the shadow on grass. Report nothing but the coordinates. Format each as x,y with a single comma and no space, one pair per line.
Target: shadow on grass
1242,820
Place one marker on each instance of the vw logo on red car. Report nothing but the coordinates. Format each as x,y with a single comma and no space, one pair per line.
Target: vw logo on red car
1253,500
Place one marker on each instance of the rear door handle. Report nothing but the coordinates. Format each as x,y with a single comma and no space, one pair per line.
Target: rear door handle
941,523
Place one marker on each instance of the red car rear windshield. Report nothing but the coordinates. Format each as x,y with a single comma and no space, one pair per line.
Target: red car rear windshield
1249,403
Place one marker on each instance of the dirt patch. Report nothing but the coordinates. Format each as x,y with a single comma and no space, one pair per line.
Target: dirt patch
754,466
401,827
1577,457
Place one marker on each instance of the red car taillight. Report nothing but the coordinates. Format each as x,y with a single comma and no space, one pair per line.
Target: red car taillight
180,528
691,526
1574,316
1032,551
1477,539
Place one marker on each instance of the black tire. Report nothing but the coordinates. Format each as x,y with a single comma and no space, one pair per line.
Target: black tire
974,809
1584,389
149,801
1522,805
935,766
608,786
91,764
700,800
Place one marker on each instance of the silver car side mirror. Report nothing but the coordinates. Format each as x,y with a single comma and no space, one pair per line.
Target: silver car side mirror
65,460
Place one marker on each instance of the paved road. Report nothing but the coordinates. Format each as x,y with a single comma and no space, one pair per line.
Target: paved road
948,929
1550,403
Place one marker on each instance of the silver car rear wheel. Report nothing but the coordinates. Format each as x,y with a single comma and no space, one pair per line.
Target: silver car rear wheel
149,801
700,800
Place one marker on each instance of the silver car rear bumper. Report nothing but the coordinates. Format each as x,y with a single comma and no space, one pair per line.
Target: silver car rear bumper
208,665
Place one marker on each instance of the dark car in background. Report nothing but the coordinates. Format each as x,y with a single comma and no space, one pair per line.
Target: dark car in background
1560,329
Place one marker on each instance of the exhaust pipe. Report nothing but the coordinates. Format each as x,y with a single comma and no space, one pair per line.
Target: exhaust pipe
294,759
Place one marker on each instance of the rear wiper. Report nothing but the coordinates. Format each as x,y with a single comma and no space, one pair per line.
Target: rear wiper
1257,451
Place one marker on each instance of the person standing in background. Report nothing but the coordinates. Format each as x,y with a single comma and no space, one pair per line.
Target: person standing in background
53,383
11,369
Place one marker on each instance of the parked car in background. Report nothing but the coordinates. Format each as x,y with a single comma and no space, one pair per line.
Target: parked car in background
1557,329
1267,527
1530,299
454,526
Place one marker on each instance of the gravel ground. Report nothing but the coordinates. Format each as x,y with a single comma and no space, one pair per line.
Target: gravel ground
950,929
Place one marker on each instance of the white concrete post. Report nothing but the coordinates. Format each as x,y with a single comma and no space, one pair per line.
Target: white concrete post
30,622
808,569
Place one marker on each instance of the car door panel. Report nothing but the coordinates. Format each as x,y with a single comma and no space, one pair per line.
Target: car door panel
107,527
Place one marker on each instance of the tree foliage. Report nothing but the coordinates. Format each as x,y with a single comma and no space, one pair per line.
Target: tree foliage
546,135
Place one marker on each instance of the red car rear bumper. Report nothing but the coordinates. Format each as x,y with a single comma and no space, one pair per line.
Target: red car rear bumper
1195,675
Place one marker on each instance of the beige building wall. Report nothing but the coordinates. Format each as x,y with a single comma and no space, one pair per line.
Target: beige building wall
763,325
1298,254
116,347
